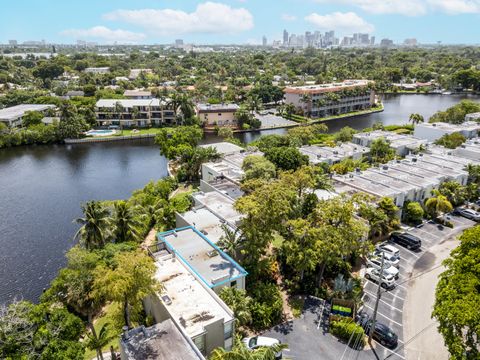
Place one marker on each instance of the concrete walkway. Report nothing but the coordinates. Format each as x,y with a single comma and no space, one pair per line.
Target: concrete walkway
426,343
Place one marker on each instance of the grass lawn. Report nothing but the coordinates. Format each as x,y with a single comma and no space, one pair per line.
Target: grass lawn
129,132
107,316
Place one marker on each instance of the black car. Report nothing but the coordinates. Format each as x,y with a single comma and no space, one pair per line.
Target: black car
383,334
410,241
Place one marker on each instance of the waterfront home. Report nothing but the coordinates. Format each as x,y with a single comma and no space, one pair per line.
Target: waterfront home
324,100
13,116
217,115
402,144
434,131
332,155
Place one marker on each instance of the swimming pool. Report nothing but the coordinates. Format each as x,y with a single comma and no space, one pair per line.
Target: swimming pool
100,132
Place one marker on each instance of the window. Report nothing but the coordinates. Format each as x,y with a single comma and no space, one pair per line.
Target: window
228,330
233,283
200,343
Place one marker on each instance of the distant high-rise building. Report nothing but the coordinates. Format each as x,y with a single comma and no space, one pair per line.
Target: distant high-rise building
179,43
386,42
410,42
285,37
372,40
12,42
264,40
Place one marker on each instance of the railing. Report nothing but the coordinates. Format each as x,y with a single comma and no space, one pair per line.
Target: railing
112,138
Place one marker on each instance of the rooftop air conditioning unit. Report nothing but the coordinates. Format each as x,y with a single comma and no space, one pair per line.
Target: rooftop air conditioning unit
384,167
414,160
166,299
212,253
204,232
319,156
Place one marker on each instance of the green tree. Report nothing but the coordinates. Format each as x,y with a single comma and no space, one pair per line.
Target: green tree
126,222
416,118
191,161
95,225
98,342
258,167
437,205
413,212
380,151
286,158
303,135
345,134
32,118
455,192
451,141
457,298
174,141
231,241
349,165
241,352
71,123
239,302
225,133
128,282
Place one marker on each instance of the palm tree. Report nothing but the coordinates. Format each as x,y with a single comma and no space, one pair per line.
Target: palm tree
438,205
416,118
127,224
254,104
98,342
307,100
95,229
240,352
238,301
231,241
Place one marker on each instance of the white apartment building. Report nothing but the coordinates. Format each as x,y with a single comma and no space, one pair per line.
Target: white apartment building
331,99
434,131
97,70
13,116
138,94
133,112
469,150
230,166
402,144
189,303
332,155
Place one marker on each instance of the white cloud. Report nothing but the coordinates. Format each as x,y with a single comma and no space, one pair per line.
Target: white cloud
288,17
208,17
106,34
344,22
456,6
412,7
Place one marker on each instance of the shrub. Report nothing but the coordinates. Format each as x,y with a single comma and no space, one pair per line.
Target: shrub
267,306
345,329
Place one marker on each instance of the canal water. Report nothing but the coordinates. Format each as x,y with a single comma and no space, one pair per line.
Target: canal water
42,187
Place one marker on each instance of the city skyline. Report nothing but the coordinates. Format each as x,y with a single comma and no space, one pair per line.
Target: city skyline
237,21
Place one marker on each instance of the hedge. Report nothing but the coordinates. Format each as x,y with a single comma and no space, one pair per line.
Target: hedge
344,328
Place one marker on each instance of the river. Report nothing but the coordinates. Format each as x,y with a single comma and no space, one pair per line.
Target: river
42,187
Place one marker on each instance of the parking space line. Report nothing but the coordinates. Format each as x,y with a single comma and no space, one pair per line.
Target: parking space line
383,301
393,352
386,317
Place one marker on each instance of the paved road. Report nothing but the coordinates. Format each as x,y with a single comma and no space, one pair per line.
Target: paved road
426,343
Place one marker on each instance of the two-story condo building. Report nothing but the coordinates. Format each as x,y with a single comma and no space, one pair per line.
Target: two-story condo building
217,115
133,112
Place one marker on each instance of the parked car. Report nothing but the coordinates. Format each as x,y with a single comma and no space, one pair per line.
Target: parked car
410,241
383,334
386,281
392,259
389,249
256,342
468,213
388,268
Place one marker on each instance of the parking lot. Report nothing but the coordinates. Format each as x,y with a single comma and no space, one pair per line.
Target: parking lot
307,337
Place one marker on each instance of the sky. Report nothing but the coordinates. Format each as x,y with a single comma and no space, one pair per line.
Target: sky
236,21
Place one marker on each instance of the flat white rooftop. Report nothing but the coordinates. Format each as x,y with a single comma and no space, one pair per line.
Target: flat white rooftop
319,88
128,103
318,154
357,181
187,300
16,112
217,107
207,222
408,177
396,140
224,148
448,127
219,204
237,158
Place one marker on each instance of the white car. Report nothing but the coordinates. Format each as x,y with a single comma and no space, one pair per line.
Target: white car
389,249
256,342
392,259
388,268
387,281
